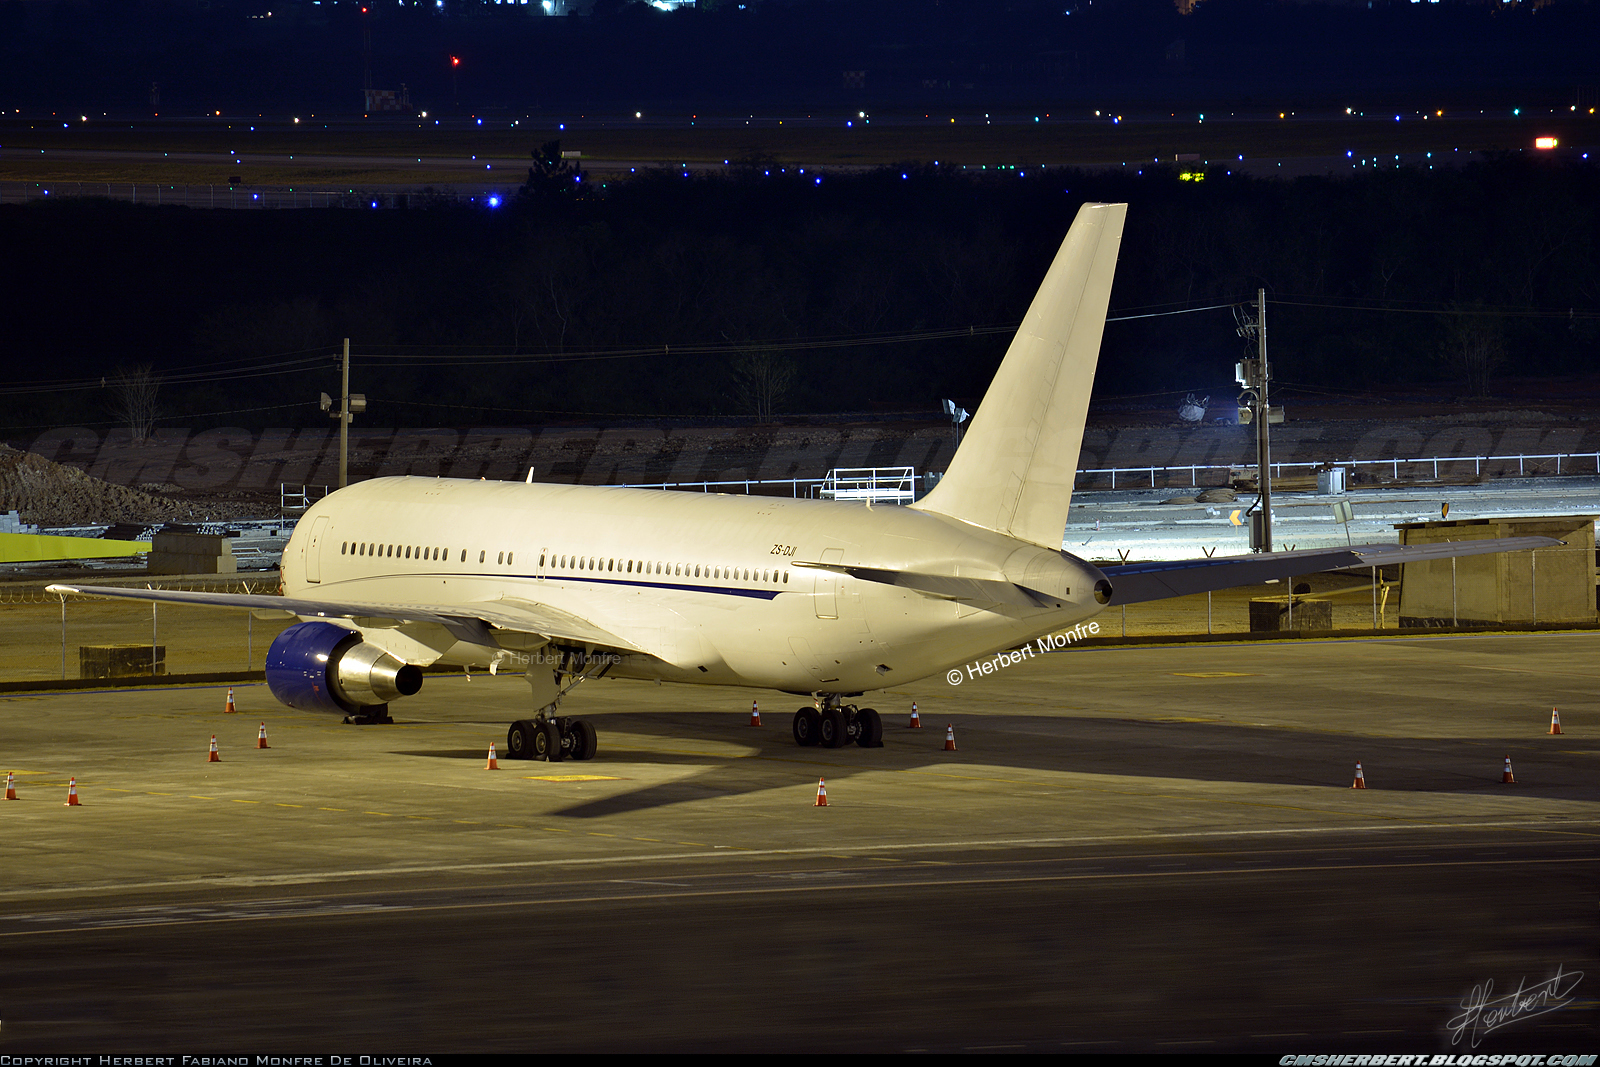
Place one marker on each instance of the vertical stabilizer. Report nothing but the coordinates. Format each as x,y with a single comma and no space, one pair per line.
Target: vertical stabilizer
1014,470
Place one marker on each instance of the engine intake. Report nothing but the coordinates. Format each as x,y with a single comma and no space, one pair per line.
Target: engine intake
318,666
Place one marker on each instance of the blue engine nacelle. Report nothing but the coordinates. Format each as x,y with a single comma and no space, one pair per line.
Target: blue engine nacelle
317,666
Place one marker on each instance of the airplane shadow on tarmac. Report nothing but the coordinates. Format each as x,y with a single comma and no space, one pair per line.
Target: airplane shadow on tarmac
1198,751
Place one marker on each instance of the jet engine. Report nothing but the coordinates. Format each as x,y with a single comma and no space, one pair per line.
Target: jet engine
317,666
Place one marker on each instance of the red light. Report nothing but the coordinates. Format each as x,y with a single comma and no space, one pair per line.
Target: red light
455,61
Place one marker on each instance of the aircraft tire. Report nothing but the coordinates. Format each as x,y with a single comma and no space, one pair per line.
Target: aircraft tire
519,740
807,727
869,728
834,730
547,741
584,739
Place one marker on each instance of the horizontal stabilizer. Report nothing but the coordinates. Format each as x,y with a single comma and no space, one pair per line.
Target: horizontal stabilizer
1135,583
943,587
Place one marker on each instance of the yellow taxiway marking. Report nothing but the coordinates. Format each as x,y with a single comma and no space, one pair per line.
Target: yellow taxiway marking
1213,674
571,778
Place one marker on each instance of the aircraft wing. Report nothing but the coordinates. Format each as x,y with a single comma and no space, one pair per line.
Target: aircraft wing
466,622
1135,583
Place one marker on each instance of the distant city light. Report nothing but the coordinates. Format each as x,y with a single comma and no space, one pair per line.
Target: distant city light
1544,142
494,201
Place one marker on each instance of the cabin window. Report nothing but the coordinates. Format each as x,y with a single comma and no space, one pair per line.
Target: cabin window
482,554
785,577
611,564
630,566
501,558
407,552
508,558
463,555
541,559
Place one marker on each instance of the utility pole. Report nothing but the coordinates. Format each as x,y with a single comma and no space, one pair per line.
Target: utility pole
350,404
344,417
1253,375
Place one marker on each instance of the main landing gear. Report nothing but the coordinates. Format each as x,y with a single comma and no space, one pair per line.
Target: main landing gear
834,725
553,674
553,739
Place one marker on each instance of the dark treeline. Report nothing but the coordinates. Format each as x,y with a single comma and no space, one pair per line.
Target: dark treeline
1446,280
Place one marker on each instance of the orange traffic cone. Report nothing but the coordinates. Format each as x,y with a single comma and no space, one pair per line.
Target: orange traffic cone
755,714
72,794
1505,776
1361,779
916,720
1555,721
228,708
822,793
261,739
11,786
494,764
214,757
950,737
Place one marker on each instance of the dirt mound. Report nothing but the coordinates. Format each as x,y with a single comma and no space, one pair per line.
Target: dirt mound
50,494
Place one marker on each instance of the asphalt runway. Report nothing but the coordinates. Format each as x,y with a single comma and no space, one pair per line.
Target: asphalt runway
1131,849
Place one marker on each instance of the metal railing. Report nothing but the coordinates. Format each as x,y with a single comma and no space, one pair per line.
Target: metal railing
1478,463
879,485
293,500
743,485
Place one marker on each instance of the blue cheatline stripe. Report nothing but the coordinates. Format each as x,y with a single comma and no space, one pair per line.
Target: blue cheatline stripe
560,576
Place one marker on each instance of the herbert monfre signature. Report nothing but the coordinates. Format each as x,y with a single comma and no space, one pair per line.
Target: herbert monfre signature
1482,1012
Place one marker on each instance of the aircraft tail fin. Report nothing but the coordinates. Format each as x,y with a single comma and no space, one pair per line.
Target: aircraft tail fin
1014,470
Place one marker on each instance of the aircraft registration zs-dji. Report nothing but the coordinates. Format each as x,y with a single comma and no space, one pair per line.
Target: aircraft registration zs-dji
826,599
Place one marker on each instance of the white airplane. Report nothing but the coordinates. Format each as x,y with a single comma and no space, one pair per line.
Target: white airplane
826,599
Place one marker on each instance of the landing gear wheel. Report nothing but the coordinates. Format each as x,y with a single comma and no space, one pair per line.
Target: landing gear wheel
835,728
582,739
546,741
520,743
869,728
552,732
807,727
